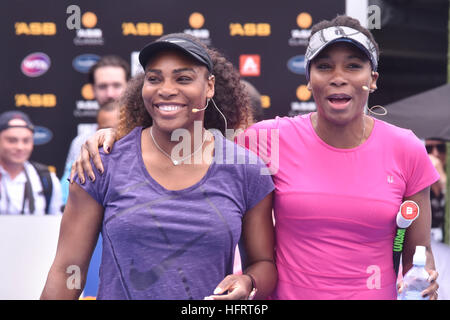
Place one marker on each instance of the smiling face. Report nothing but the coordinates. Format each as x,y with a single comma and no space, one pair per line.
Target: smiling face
338,75
175,84
16,144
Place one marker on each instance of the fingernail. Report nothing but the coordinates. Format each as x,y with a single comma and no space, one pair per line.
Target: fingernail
108,149
217,290
208,298
92,178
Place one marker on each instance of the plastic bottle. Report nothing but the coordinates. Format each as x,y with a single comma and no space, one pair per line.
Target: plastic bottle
415,280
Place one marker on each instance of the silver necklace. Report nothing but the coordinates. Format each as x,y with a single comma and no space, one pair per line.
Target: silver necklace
176,161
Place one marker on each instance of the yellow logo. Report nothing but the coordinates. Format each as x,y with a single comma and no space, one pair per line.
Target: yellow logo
89,19
265,101
35,100
35,28
196,20
304,20
87,92
250,29
142,29
303,94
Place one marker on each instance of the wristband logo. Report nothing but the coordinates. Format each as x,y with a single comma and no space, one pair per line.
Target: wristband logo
250,29
35,64
35,100
196,22
142,29
84,62
299,37
35,28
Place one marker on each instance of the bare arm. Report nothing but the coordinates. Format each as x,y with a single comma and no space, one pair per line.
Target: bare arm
89,150
418,234
78,236
258,246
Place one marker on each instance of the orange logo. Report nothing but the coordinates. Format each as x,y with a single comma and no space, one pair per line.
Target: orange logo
303,94
196,20
304,20
87,92
36,100
35,28
89,19
265,101
142,29
250,29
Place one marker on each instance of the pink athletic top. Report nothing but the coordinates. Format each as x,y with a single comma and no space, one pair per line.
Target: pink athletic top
335,208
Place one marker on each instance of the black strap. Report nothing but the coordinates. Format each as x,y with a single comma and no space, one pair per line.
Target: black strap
28,194
46,181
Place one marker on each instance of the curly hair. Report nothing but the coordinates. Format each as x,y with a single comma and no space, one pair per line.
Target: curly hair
230,97
345,21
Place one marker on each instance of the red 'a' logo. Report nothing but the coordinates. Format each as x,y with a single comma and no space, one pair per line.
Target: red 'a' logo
250,65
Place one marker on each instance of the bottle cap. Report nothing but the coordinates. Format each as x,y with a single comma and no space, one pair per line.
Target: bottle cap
419,256
409,211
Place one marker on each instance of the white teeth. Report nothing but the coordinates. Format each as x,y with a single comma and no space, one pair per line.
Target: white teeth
169,108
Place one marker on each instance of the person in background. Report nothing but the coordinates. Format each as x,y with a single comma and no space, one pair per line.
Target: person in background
437,151
170,222
108,77
256,109
26,187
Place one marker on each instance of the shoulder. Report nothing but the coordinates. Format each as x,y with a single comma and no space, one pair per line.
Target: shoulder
127,146
282,122
399,137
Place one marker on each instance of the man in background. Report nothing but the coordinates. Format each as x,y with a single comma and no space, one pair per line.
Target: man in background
27,188
437,151
108,77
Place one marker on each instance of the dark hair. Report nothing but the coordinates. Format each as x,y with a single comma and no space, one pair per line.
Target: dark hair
109,61
256,109
345,21
230,97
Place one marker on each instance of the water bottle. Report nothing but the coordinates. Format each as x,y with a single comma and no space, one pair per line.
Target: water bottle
415,280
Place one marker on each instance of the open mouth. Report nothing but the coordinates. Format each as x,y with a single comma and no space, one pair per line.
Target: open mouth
339,101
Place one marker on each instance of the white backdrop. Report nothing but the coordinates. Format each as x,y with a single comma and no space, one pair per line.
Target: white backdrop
27,249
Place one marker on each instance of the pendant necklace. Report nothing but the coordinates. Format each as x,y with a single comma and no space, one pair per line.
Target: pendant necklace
176,161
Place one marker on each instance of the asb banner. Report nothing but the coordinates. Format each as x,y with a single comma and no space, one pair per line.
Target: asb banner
49,46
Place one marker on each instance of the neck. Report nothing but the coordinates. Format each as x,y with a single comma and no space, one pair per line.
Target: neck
13,169
346,136
190,138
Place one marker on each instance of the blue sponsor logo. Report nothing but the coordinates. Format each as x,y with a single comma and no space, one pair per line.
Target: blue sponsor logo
42,135
297,64
84,62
